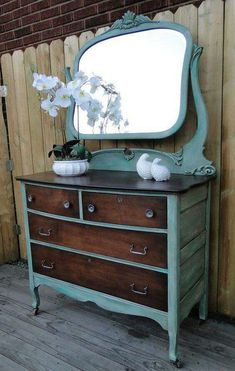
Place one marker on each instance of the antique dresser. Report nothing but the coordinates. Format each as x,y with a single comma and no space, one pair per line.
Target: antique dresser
127,244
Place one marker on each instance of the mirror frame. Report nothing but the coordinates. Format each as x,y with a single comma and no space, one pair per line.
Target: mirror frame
131,23
190,158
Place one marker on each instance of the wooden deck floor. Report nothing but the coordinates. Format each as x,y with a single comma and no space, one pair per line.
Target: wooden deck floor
68,335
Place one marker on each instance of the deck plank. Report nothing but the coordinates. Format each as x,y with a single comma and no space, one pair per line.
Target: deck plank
82,336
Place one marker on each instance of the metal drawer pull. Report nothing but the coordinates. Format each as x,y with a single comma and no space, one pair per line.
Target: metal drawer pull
145,292
149,213
45,234
91,208
132,250
66,204
30,198
51,266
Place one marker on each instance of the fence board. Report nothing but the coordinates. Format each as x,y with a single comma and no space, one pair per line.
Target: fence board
210,36
22,111
187,16
48,123
227,242
14,140
23,125
8,240
57,68
70,50
35,123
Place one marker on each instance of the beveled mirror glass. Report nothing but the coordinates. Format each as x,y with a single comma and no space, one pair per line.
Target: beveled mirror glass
149,68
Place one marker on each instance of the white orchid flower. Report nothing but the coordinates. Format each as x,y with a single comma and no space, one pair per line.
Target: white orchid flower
81,76
94,109
116,117
95,82
42,82
81,96
91,122
74,84
62,97
49,107
115,105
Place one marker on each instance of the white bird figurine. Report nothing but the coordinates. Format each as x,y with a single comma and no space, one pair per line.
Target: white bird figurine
159,172
143,167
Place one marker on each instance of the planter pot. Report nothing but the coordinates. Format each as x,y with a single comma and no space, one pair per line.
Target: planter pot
70,168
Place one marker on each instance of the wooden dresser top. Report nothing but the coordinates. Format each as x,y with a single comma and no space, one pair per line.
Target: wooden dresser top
119,180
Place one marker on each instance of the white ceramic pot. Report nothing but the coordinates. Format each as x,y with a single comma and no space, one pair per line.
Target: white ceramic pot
70,168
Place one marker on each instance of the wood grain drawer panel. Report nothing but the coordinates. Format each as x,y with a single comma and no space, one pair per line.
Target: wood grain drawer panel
108,277
51,200
121,244
125,209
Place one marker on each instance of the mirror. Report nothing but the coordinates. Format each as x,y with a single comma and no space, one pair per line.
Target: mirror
149,70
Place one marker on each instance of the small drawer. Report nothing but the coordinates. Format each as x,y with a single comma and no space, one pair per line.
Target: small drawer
53,200
141,247
141,211
131,283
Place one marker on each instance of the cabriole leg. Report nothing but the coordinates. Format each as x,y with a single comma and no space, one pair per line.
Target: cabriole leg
173,343
203,307
36,300
173,346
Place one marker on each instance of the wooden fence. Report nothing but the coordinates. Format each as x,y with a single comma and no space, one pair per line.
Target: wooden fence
32,133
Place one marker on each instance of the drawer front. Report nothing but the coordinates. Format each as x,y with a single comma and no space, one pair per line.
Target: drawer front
124,209
141,247
131,283
53,200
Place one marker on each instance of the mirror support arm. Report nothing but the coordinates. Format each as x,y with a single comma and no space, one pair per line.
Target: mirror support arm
196,145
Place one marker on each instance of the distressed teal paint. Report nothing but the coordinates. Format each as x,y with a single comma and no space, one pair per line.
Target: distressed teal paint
99,256
173,256
192,247
103,300
80,205
190,299
99,224
32,286
203,306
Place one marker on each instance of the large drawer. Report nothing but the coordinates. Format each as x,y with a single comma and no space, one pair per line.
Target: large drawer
53,200
131,283
125,209
141,247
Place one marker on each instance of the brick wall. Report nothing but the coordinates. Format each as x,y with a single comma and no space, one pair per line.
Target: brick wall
29,22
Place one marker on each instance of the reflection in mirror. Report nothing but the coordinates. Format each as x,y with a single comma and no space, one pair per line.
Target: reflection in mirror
146,70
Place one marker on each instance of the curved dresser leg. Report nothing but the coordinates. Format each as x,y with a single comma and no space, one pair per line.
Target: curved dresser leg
36,300
173,344
203,307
